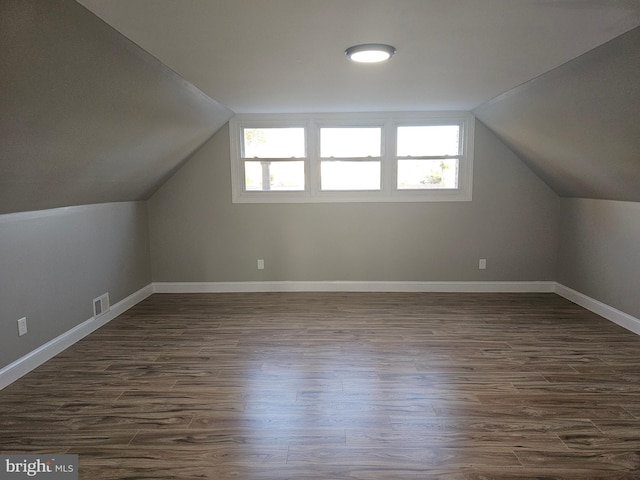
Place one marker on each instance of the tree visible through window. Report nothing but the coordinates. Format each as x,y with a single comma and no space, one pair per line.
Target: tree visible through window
352,157
272,158
428,156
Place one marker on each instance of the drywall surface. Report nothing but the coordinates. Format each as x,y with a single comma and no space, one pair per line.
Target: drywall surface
55,262
199,235
87,116
577,125
600,251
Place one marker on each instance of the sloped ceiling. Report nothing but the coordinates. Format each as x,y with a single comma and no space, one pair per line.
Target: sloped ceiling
578,126
86,116
575,124
288,55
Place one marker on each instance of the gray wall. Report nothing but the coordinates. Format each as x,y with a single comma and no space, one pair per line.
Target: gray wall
600,251
54,262
198,235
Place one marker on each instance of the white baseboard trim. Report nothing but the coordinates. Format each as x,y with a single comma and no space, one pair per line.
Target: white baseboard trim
353,286
616,316
623,319
40,355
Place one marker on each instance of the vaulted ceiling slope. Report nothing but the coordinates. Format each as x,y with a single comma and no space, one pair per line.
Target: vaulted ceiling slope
288,55
86,116
578,126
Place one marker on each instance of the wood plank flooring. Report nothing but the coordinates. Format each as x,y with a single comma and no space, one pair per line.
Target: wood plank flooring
328,386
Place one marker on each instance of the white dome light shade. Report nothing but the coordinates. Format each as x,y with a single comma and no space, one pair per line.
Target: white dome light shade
370,52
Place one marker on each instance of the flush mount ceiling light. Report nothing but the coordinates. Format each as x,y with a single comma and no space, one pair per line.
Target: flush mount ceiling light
370,52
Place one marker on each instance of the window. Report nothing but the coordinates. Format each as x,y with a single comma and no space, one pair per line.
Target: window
350,158
273,158
395,157
428,156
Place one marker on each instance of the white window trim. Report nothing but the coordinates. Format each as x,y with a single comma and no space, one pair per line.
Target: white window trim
389,123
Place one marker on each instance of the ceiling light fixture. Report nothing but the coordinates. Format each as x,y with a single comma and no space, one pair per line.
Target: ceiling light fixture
370,52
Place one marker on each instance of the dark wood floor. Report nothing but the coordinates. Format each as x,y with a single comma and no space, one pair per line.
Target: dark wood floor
339,386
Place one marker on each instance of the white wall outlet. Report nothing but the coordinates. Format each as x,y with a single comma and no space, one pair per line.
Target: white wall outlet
260,264
22,326
482,264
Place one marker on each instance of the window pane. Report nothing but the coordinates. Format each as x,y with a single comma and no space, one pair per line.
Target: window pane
339,175
428,140
269,176
274,142
426,174
350,142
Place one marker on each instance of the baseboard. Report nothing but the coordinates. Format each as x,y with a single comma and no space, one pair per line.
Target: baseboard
352,286
40,355
623,319
616,316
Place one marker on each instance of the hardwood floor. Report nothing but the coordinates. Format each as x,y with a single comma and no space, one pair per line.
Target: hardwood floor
332,386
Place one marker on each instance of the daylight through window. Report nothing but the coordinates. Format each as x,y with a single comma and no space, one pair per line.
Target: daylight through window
397,157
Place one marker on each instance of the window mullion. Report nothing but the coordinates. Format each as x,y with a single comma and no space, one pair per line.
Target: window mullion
389,166
312,169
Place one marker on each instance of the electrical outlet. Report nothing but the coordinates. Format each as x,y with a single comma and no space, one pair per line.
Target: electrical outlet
482,264
260,264
22,326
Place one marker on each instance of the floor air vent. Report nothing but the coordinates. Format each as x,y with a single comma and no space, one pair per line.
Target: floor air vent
101,305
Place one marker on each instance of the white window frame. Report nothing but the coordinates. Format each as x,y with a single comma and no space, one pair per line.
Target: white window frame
389,123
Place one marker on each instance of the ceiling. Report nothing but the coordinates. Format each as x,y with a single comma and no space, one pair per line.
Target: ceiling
101,101
288,55
86,116
578,126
